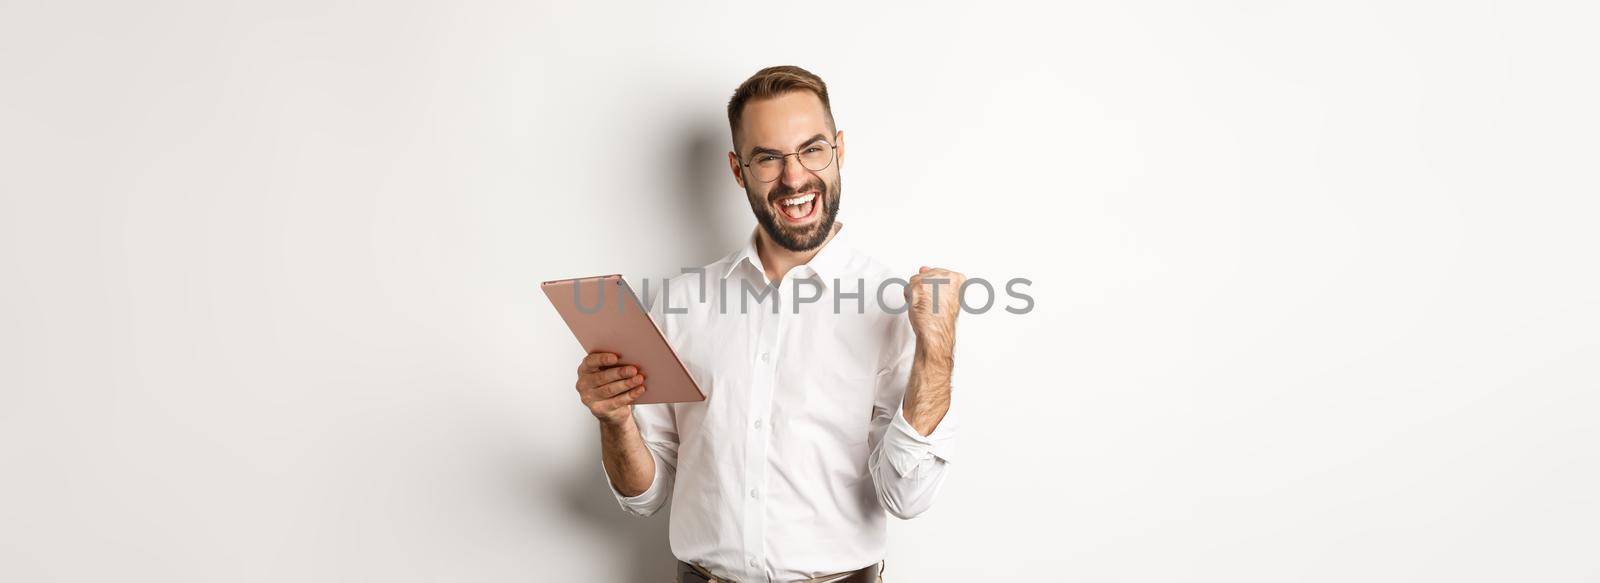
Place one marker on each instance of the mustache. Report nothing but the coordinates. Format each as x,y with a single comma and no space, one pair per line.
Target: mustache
785,191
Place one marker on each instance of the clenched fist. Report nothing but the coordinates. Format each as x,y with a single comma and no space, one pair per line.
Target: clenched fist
607,389
933,300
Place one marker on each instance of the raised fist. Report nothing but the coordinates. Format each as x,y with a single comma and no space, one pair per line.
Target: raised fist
933,300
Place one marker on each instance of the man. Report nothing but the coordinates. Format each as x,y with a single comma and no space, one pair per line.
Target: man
826,407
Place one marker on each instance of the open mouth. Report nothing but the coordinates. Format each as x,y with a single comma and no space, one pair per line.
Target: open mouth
799,208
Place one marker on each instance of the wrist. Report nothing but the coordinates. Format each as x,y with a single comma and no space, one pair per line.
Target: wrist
617,424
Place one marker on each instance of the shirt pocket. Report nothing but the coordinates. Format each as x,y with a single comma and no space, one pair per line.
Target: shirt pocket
836,413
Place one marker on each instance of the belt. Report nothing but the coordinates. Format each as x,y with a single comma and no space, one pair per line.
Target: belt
691,573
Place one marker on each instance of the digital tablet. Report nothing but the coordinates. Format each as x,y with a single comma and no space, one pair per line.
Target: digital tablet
606,316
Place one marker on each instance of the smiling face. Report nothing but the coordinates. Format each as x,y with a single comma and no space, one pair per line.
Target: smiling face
798,208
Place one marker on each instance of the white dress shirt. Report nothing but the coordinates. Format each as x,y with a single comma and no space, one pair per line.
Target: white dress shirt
787,470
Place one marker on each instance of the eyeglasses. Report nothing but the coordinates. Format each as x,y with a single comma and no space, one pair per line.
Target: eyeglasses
768,166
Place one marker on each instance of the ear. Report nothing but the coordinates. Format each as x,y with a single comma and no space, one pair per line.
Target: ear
838,143
738,171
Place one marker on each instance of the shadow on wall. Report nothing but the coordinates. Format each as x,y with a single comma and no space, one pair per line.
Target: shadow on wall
639,542
704,187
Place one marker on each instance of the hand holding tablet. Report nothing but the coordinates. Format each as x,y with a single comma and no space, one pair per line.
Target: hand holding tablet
607,319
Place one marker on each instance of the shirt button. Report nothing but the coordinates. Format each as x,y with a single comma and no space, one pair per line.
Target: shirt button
758,424
765,357
753,493
754,563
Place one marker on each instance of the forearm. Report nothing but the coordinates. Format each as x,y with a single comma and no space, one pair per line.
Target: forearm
928,390
628,462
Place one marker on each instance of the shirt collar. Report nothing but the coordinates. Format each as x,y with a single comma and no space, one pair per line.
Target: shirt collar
828,264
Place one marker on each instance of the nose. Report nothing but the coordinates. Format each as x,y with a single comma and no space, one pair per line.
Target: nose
794,175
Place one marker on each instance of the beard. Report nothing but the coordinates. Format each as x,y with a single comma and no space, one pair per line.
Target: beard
801,238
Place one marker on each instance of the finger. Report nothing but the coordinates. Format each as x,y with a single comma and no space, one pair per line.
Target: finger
596,379
595,361
614,388
621,400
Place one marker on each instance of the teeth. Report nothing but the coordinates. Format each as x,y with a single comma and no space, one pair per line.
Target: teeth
799,200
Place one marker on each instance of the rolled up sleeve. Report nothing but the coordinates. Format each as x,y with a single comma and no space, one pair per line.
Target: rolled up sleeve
913,454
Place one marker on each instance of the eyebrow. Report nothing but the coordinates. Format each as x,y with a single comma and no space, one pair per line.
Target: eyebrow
809,141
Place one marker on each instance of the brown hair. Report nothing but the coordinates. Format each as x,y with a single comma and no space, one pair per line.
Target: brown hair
772,82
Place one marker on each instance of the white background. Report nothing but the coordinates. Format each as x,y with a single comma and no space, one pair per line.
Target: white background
1316,286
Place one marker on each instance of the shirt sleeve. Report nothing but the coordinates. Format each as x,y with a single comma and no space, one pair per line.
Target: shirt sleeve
907,467
913,454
